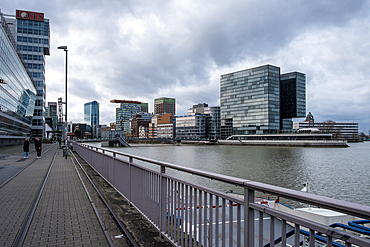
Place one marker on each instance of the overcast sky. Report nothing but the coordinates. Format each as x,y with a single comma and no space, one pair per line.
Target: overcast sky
142,50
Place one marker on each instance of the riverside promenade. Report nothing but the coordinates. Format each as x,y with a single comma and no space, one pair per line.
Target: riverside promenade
63,214
44,202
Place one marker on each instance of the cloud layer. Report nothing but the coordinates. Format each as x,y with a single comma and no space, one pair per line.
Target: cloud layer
141,50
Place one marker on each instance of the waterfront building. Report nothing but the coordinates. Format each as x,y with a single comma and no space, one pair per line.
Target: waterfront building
32,34
17,91
339,130
125,109
140,125
96,130
201,122
251,99
292,98
162,126
165,105
91,113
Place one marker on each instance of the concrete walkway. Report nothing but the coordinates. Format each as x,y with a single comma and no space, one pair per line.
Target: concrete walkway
64,215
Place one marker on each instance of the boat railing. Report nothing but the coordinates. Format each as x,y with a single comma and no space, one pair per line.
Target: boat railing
191,214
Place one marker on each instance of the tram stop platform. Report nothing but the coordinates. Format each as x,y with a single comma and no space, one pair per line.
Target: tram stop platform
49,202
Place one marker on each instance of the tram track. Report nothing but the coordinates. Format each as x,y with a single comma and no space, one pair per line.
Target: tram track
124,232
27,220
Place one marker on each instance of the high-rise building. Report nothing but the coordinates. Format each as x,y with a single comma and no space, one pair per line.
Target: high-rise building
91,113
32,34
292,98
254,100
17,91
125,109
165,105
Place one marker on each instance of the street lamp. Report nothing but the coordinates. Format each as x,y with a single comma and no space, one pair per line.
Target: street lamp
65,125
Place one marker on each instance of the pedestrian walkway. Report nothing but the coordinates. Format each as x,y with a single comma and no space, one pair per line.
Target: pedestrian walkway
64,215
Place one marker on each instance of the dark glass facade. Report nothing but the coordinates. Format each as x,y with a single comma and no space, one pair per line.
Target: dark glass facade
293,98
17,90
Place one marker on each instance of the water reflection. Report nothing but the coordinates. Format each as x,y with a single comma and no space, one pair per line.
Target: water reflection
341,173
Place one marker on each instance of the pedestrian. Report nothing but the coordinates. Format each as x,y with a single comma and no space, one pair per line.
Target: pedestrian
38,147
26,147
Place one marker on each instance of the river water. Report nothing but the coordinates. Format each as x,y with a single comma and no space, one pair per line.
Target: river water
341,173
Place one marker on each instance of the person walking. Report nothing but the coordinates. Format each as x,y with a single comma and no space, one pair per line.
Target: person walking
26,147
38,147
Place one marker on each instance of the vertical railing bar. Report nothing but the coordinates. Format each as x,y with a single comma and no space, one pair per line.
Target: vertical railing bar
283,233
210,227
205,209
231,223
312,238
178,217
186,220
248,218
191,224
162,200
170,206
195,216
239,219
129,180
329,241
174,210
272,230
296,235
217,220
223,221
260,229
200,230
182,220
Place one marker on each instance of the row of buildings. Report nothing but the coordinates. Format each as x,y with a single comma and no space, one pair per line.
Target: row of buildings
259,100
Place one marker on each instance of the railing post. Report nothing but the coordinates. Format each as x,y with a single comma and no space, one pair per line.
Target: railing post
162,201
129,179
249,218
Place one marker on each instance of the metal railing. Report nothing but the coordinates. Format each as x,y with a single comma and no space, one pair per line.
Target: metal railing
193,215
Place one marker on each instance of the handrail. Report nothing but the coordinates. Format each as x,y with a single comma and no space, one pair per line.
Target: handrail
157,195
350,208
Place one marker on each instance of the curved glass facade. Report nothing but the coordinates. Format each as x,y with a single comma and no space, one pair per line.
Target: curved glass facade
17,91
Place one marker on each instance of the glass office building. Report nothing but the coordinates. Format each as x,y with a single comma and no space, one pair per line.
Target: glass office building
91,113
261,101
17,91
251,98
125,109
293,98
32,34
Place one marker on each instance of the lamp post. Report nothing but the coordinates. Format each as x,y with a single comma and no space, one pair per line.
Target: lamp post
65,124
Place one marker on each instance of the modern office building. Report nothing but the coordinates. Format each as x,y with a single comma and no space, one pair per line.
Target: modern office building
32,34
91,113
200,123
252,99
17,91
292,98
165,105
125,109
